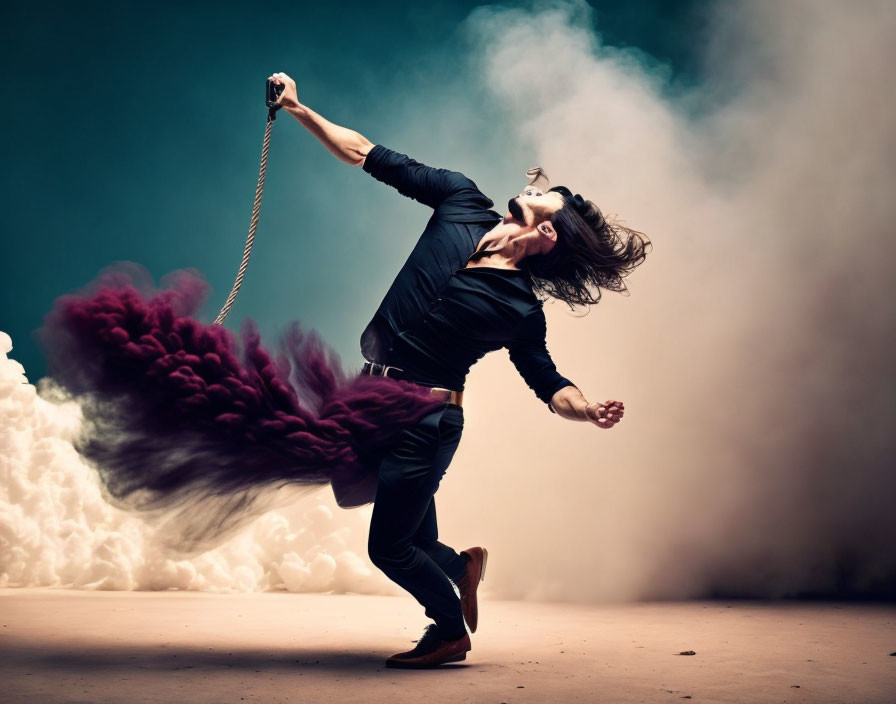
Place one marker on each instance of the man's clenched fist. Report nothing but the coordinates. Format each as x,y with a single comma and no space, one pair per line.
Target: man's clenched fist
289,98
605,415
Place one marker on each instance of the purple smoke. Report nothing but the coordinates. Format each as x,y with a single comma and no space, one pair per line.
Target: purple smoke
185,427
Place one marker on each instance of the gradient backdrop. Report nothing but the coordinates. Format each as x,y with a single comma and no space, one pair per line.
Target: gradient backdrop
133,131
754,142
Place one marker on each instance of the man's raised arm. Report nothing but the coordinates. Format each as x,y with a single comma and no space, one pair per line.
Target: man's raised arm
425,184
345,144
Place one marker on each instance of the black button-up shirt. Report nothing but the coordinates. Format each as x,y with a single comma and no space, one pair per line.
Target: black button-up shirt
438,317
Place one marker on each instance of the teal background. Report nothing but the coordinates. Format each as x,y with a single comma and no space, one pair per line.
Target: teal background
132,131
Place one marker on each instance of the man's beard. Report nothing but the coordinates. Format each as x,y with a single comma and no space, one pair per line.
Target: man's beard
516,210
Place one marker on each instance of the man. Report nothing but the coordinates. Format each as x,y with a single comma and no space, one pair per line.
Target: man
467,288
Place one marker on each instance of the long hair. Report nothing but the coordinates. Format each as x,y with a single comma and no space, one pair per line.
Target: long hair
590,253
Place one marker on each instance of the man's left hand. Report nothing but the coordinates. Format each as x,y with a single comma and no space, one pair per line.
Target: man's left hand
605,415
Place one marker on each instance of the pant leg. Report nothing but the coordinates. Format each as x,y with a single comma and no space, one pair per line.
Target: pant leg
409,475
452,563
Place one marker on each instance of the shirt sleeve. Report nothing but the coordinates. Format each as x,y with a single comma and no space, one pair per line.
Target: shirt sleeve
529,354
425,184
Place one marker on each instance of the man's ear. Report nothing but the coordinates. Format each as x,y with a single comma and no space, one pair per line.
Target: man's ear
546,229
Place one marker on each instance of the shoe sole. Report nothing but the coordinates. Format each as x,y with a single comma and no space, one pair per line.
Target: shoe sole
418,666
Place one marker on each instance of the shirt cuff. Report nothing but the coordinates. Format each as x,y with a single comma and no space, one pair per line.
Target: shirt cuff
374,156
563,382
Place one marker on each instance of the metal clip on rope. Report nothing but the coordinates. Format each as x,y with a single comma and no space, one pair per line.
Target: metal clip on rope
272,93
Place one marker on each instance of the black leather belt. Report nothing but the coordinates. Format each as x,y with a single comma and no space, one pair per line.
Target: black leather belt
377,369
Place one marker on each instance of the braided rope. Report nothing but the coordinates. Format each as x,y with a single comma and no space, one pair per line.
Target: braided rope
253,224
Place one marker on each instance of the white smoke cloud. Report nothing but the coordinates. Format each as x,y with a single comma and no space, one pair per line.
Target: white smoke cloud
753,355
56,529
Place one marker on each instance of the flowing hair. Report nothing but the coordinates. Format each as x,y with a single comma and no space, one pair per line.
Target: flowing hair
590,253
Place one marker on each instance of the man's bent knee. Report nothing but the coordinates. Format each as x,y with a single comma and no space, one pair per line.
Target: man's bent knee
388,557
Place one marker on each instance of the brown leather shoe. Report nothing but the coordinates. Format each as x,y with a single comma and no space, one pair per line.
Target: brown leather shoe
431,651
469,583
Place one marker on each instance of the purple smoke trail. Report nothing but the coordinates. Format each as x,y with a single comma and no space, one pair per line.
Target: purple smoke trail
181,428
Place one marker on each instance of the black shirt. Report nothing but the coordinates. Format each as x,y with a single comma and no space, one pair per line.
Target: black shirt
438,318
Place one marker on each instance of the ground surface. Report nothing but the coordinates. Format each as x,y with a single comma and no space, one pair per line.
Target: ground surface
74,646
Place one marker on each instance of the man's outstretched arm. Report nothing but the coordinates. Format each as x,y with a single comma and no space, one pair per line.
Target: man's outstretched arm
425,184
345,144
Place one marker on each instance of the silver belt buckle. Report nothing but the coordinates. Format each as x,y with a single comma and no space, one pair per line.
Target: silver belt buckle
383,369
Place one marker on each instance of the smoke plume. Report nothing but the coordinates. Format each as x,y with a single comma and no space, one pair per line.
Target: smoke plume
181,428
753,352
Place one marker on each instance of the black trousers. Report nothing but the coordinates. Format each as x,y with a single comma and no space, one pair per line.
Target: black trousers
403,539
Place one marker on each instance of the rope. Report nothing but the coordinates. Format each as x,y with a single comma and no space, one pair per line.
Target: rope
253,223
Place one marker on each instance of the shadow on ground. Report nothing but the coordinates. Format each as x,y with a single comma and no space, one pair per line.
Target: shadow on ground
187,658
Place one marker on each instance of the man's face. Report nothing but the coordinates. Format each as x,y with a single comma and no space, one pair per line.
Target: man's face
533,206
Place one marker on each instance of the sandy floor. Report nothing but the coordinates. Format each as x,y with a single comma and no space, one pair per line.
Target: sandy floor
67,646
